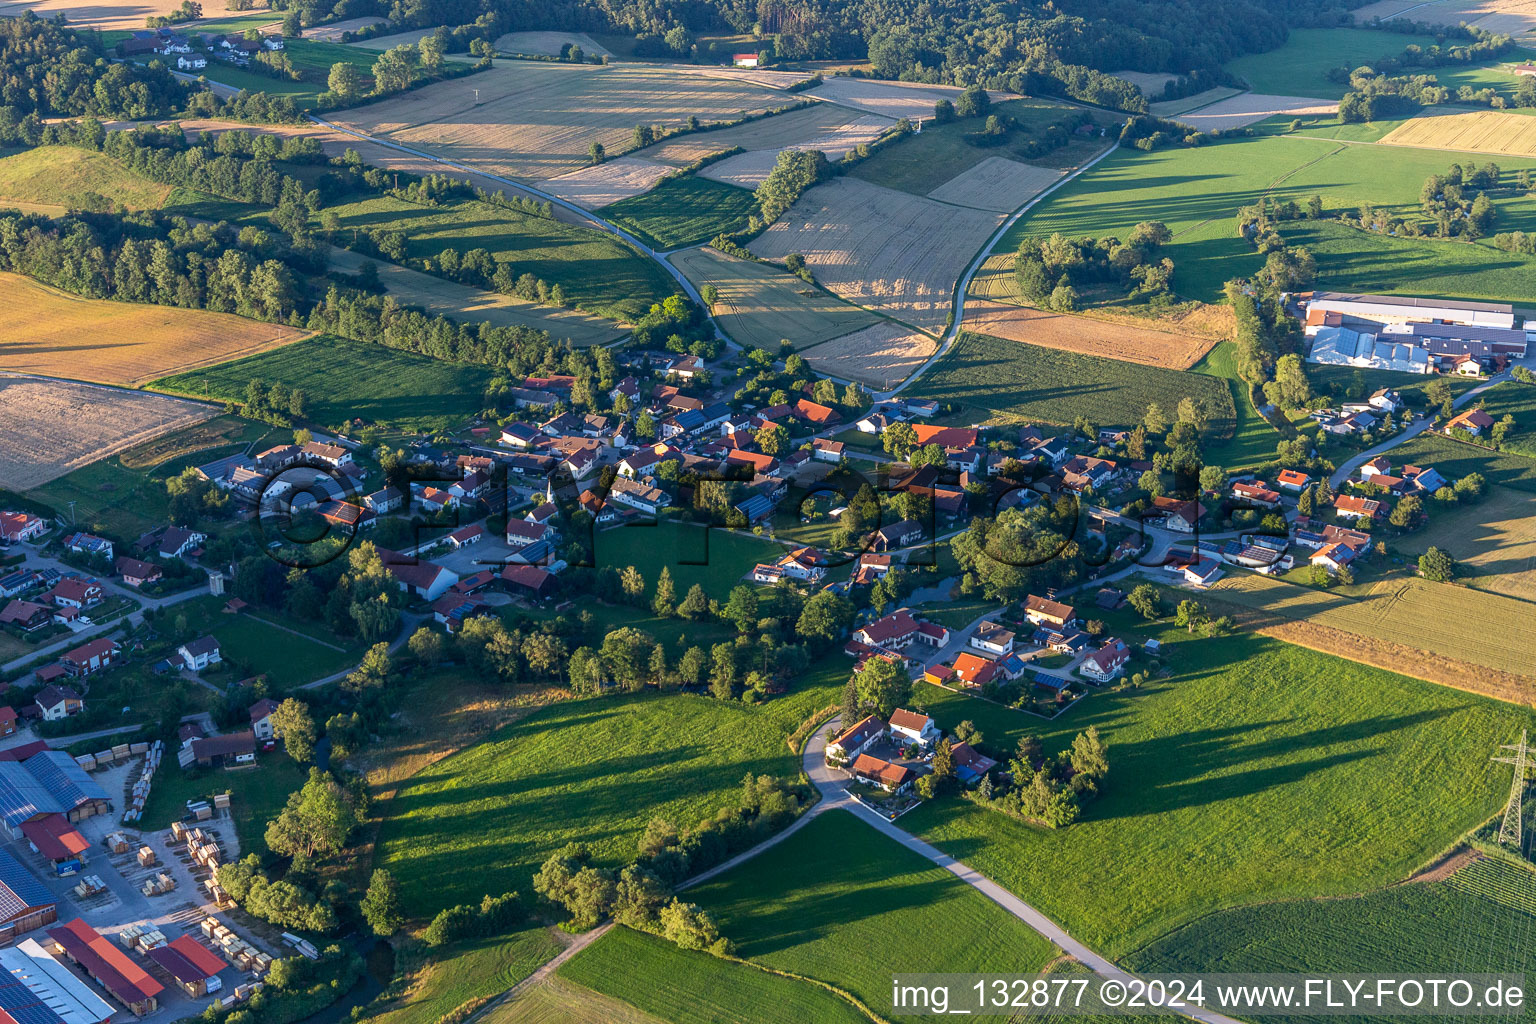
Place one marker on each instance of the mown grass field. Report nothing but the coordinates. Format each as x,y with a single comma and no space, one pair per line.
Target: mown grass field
468,971
1454,460
1493,541
1256,771
1197,192
841,903
345,379
1253,437
1482,630
594,771
760,304
54,333
1517,399
1010,381
1398,930
681,987
600,273
556,1001
716,559
683,211
1300,67
259,643
76,179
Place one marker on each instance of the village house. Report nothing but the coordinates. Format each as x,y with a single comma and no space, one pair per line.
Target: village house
969,765
75,592
89,545
993,638
201,653
1293,481
972,670
650,500
59,702
463,537
1350,507
261,719
1106,663
1473,421
25,615
135,573
893,778
913,727
1174,514
178,541
1041,611
1256,492
856,740
20,526
898,630
824,450
425,580
333,455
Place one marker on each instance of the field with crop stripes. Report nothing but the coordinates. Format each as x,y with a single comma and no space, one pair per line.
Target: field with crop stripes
1011,381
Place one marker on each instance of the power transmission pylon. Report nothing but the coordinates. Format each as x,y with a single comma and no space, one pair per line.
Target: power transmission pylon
1509,830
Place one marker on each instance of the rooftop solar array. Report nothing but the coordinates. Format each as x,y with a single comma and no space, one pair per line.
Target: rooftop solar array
20,890
47,782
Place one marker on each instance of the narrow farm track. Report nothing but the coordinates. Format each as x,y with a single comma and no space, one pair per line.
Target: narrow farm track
834,795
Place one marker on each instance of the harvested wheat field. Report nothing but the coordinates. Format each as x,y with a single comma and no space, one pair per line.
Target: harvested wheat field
892,252
331,32
760,304
890,99
61,335
607,182
997,184
1088,335
1493,542
389,42
825,126
881,356
1252,107
1172,108
744,170
1478,131
536,120
105,16
548,44
1510,17
1427,628
54,426
474,305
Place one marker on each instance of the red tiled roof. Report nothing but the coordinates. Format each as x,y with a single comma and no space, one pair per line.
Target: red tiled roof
861,731
948,437
909,720
54,837
187,960
109,965
888,773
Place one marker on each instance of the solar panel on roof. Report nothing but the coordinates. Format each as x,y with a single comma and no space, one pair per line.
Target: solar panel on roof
19,889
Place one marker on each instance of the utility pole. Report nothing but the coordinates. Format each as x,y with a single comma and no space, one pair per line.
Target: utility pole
1510,830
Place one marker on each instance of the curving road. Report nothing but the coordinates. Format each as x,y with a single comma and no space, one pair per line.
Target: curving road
1423,423
834,795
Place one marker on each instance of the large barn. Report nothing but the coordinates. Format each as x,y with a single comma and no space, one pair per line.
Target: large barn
25,903
36,781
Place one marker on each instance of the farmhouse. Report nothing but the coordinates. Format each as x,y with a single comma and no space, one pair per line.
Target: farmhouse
1043,612
649,500
893,778
899,630
824,450
913,727
113,969
858,739
895,536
